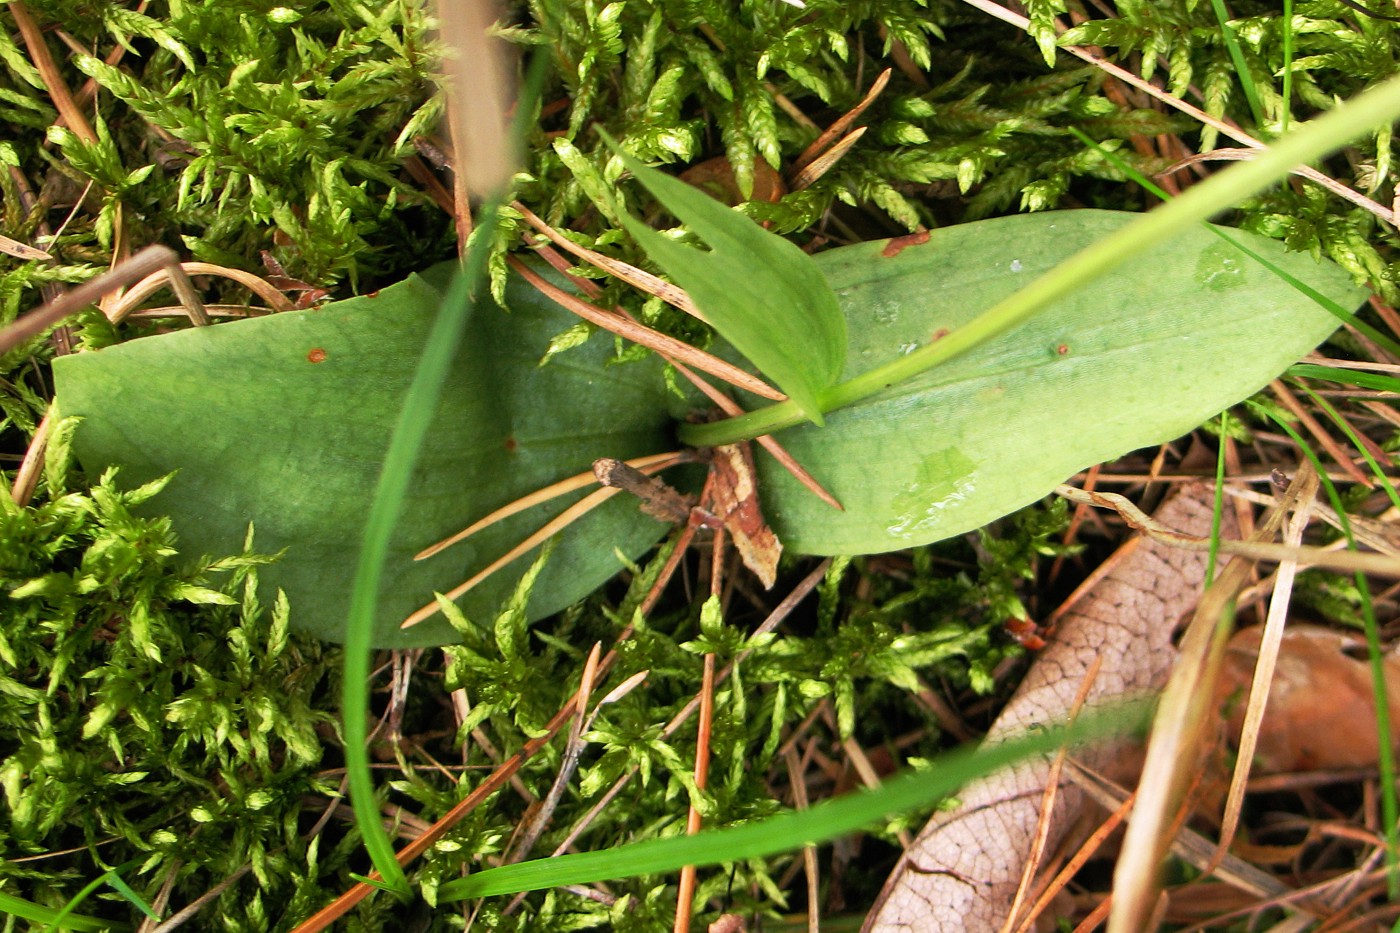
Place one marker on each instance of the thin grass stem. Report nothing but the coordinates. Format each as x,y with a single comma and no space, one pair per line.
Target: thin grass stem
1322,136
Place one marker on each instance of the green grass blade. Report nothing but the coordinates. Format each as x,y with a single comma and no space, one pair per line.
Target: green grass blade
1336,310
1326,134
789,830
1217,507
57,919
405,442
1286,110
1232,45
1346,429
121,887
1364,380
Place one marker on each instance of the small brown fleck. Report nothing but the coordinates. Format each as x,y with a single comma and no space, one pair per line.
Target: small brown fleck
511,444
939,335
317,355
896,245
373,294
1062,349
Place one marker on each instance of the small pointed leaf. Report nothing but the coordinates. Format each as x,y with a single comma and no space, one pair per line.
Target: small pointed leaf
763,294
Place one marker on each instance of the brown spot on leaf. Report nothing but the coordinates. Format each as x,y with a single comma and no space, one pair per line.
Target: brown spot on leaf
1062,349
317,355
897,245
511,444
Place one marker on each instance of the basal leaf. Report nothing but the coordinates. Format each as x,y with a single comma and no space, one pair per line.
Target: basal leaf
1147,353
763,294
283,421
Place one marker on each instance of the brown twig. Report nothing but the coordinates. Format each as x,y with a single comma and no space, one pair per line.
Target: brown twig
62,98
149,260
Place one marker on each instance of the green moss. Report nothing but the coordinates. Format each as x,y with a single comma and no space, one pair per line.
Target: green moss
151,710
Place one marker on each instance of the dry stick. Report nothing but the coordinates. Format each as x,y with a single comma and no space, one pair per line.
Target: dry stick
1228,129
673,295
176,275
823,163
685,892
569,765
1348,561
649,464
1196,850
1076,519
572,748
842,124
68,110
774,619
1078,861
1047,802
21,250
1311,174
1133,479
809,852
27,476
137,267
548,530
654,340
1326,441
188,912
1268,657
1178,727
685,889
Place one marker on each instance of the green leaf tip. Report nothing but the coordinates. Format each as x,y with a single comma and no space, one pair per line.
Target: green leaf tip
761,292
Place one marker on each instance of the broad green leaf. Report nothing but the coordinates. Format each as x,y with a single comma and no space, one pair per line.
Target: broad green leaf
1152,350
763,294
283,422
261,433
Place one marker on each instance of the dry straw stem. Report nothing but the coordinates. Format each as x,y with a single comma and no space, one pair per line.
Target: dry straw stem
1196,850
645,336
650,464
21,250
145,263
480,96
1226,128
1307,483
842,124
638,278
68,110
1345,561
27,476
555,525
177,273
1376,534
1177,732
1047,808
